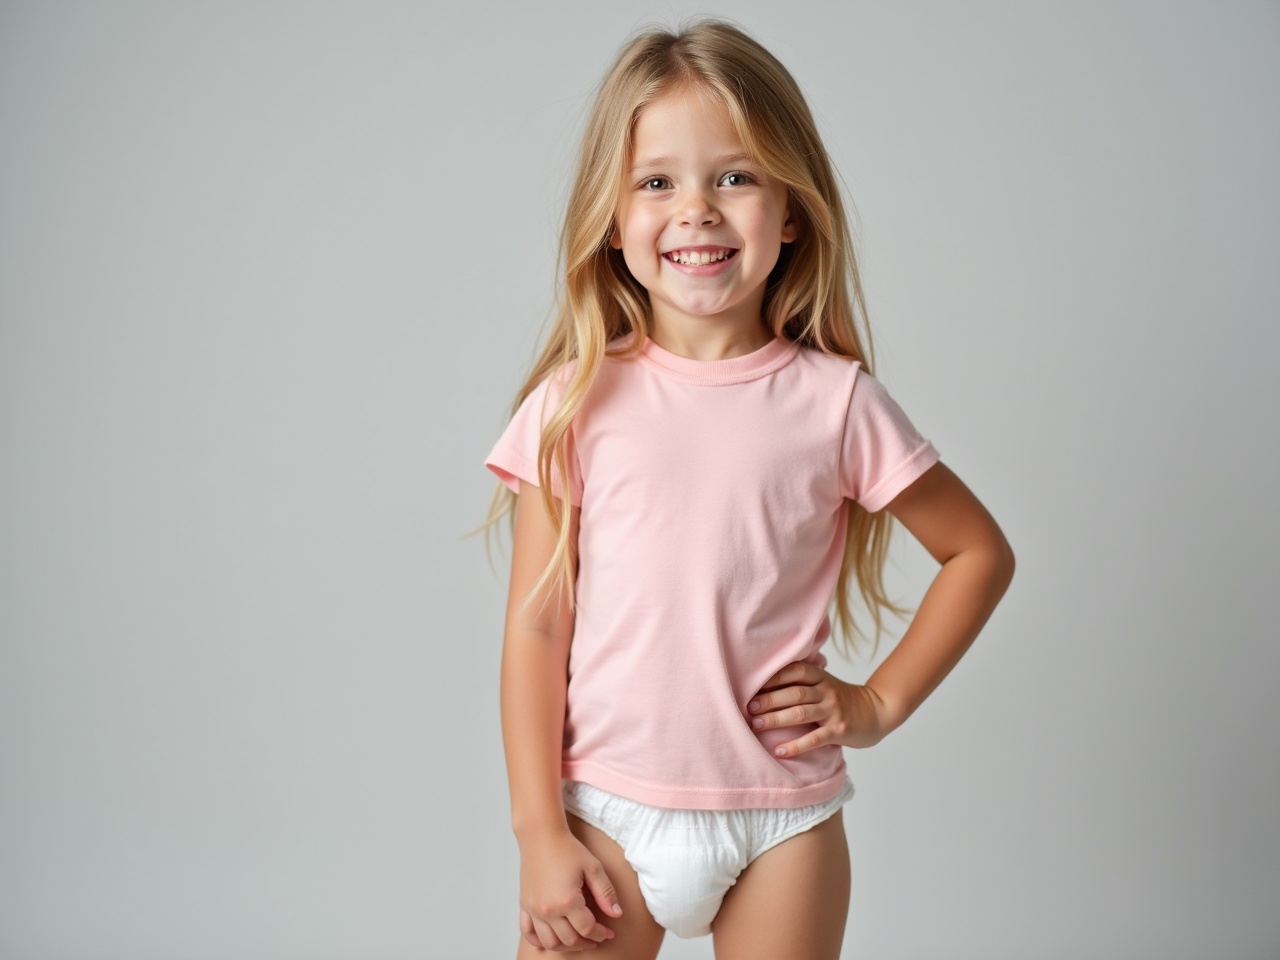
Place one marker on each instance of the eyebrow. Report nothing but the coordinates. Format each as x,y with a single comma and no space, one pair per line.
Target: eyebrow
649,162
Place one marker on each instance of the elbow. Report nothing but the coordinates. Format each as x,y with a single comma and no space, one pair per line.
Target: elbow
993,555
1005,564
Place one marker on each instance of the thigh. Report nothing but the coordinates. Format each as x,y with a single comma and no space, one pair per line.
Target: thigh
791,901
638,935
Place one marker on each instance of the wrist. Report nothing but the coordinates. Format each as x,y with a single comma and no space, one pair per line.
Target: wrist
888,712
539,831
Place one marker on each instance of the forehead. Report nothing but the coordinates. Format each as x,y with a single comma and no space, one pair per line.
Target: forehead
683,120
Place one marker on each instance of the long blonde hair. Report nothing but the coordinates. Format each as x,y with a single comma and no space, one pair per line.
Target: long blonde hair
813,296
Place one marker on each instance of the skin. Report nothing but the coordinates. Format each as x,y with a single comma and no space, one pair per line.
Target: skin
977,566
792,901
689,185
560,878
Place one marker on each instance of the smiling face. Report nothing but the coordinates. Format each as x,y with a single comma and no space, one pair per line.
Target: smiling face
700,224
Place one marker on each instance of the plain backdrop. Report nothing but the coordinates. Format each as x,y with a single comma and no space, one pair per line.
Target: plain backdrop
270,276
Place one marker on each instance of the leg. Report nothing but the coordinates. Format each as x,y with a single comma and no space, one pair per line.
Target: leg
791,901
638,935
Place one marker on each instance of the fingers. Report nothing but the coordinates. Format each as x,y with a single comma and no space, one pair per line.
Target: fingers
583,926
810,697
603,890
526,929
815,738
572,928
544,936
560,885
558,936
798,671
583,920
788,706
570,937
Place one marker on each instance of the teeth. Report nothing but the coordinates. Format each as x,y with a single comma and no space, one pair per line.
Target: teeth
695,257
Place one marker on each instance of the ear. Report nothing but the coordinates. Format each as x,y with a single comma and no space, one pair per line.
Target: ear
790,226
615,238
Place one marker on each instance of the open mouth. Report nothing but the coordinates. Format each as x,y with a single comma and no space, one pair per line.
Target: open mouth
698,257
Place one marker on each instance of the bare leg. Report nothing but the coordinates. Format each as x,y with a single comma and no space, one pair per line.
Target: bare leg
791,901
639,936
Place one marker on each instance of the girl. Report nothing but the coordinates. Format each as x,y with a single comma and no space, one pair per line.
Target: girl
699,461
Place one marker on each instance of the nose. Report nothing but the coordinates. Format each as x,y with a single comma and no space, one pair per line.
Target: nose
698,210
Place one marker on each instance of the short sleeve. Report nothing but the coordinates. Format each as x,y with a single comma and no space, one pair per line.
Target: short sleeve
515,456
882,453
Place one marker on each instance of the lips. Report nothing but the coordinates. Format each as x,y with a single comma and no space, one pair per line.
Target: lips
698,256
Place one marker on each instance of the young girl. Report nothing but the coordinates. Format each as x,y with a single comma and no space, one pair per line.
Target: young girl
700,461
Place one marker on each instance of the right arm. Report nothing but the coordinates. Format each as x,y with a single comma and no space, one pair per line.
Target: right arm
554,865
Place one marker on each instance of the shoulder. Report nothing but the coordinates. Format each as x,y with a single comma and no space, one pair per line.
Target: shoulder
830,363
845,382
546,395
847,370
827,374
555,381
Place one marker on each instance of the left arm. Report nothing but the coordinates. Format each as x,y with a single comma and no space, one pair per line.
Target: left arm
977,566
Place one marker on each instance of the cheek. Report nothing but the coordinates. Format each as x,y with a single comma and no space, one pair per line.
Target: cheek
769,221
642,226
639,234
766,229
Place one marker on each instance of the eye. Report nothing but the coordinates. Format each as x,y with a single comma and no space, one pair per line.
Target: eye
656,183
737,179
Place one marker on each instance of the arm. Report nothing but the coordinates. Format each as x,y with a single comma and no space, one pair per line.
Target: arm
535,656
554,865
977,566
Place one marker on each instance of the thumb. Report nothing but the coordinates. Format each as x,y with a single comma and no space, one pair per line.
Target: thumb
602,889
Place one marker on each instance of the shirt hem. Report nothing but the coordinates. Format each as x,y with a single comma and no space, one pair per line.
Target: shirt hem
882,494
510,466
704,798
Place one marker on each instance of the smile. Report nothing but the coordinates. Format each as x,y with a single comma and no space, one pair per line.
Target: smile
697,257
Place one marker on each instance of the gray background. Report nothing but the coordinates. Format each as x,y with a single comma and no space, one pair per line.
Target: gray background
269,276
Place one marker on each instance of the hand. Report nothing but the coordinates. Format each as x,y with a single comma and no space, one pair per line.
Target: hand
554,914
846,713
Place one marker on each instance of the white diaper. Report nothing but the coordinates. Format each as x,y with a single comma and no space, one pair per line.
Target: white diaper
686,860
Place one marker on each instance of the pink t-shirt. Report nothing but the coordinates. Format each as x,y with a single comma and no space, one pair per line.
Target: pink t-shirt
713,505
